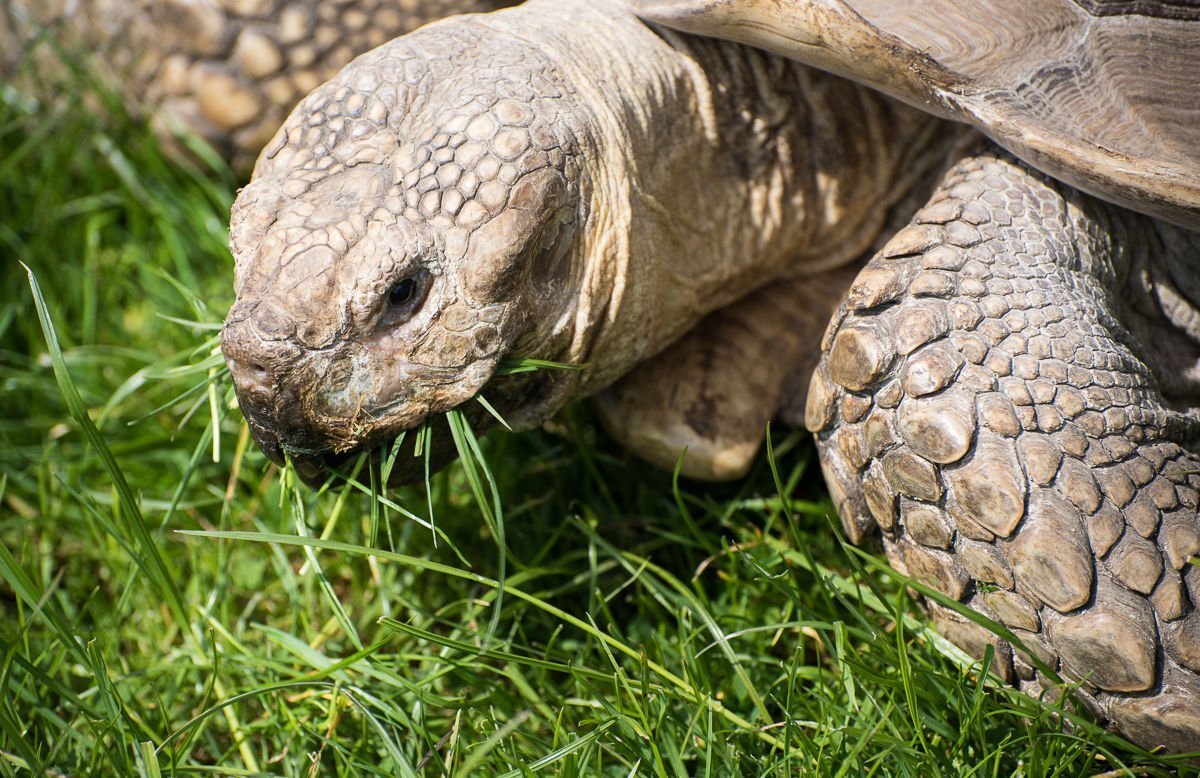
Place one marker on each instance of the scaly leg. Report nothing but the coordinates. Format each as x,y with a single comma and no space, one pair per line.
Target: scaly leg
714,390
1010,393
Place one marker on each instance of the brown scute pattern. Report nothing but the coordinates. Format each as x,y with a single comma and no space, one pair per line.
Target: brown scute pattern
1015,450
231,70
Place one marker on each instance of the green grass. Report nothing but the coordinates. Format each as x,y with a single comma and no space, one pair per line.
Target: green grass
171,603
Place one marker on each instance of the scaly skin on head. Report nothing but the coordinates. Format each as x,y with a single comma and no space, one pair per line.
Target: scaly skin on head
351,324
462,195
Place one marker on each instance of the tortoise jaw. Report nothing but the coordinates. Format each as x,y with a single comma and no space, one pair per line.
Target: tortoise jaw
408,465
324,431
317,450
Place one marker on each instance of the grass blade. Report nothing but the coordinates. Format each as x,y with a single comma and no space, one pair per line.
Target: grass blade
134,523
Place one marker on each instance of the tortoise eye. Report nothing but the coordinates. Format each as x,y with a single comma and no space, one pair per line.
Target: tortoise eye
403,292
405,298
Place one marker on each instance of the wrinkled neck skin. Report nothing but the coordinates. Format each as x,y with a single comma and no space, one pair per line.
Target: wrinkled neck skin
712,169
559,181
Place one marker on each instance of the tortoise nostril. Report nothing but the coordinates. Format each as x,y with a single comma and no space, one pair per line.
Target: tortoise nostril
258,373
252,376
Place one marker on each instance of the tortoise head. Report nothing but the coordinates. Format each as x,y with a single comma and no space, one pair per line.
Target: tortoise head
396,236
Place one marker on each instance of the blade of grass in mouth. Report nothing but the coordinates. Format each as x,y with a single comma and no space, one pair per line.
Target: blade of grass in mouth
514,366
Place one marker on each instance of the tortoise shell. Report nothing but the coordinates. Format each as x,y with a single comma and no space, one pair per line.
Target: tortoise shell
1101,94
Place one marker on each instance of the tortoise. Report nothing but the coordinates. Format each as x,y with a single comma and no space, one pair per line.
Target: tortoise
228,71
1007,385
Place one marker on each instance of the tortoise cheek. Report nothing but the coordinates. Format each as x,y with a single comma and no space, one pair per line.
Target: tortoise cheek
502,251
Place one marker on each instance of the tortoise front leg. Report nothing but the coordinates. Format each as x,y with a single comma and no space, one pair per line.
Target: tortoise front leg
714,390
1010,392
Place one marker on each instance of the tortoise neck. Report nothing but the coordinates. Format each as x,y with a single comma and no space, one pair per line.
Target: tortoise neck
802,167
709,169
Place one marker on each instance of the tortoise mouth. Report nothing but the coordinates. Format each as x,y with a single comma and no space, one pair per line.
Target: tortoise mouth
408,466
321,443
405,464
410,462
321,449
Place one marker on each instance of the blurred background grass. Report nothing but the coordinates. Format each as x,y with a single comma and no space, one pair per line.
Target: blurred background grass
171,603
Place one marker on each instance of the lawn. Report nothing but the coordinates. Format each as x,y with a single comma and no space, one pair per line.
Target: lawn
172,603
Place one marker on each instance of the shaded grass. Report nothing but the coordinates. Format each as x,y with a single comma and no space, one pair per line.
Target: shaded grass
171,603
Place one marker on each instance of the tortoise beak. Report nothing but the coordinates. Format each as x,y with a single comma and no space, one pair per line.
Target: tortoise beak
408,467
261,367
268,371
280,430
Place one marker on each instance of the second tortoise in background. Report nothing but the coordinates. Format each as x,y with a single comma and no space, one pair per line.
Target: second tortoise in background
229,71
